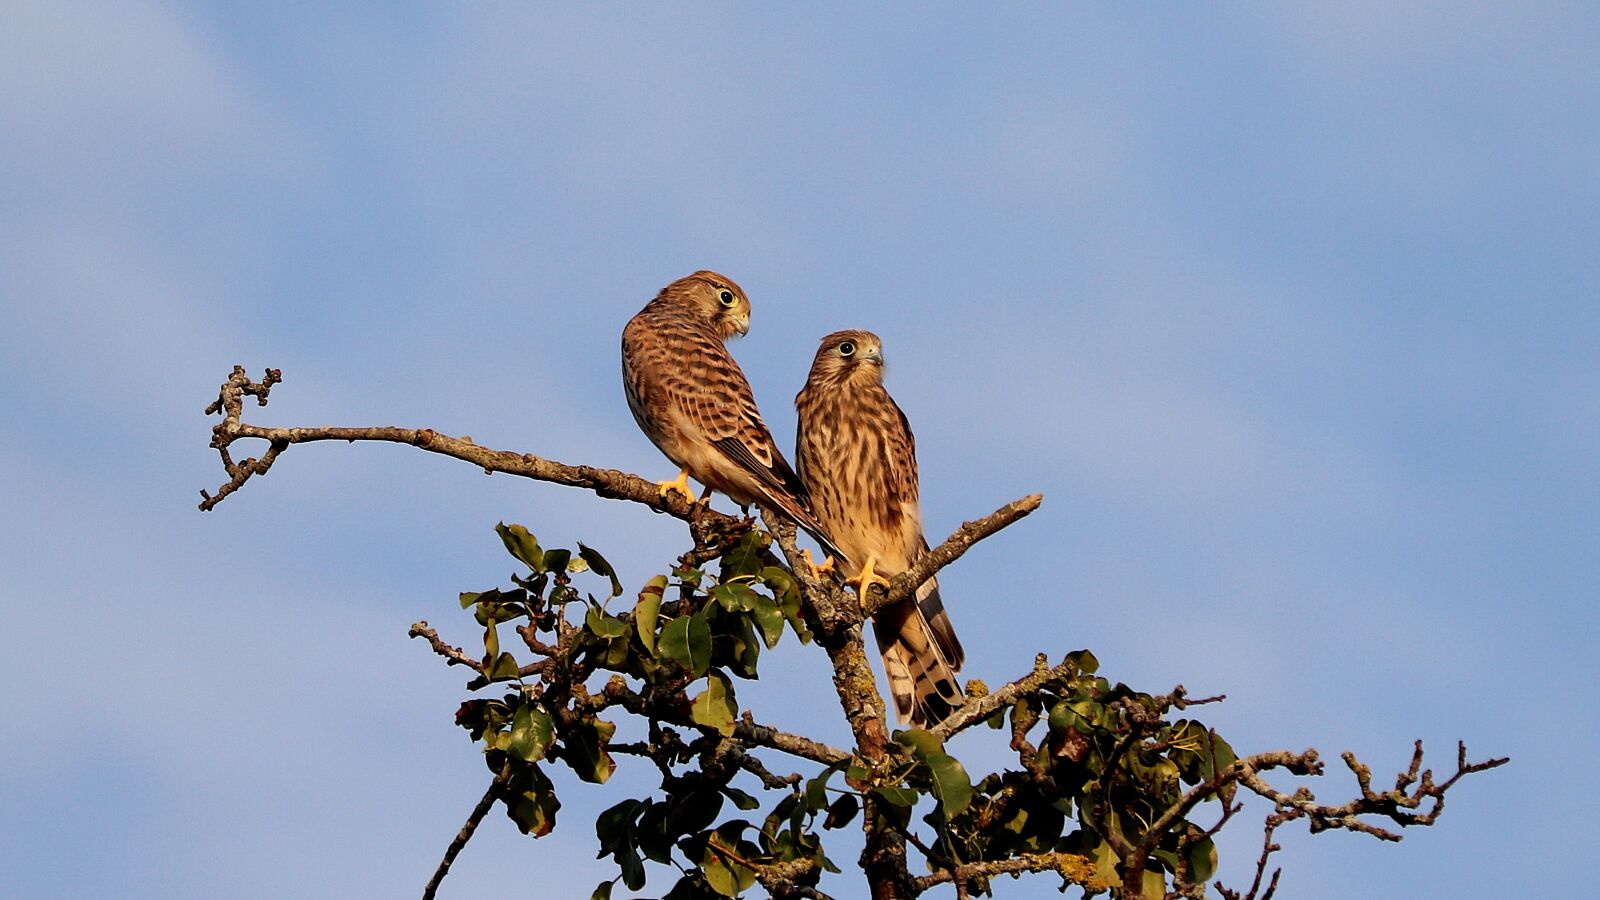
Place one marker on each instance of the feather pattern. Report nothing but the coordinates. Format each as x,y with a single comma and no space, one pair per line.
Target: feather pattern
857,456
692,400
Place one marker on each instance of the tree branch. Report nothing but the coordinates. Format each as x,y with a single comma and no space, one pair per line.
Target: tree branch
904,586
1395,805
467,830
746,730
608,483
977,710
1072,868
454,656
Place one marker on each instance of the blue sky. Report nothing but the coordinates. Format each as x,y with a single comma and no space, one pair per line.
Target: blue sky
1290,313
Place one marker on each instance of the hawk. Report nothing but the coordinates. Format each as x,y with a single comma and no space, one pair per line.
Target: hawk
693,402
858,459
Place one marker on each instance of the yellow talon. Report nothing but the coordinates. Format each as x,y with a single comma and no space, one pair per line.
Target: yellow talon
863,582
678,485
817,571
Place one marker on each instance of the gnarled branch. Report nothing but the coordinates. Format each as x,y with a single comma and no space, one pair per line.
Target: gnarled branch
608,483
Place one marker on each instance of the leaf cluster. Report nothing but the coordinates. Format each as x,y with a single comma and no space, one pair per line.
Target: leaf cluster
1105,792
684,641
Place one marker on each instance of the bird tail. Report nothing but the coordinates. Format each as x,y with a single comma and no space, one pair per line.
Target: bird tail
806,519
921,655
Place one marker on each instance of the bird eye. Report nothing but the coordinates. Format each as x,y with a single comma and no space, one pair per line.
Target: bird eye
726,297
846,348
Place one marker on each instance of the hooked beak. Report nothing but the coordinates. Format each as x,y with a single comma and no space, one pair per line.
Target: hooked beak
873,355
742,325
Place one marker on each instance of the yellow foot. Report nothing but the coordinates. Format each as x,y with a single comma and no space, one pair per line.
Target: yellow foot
863,582
817,571
679,485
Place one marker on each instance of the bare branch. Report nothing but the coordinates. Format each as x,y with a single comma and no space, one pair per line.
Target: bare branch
1268,847
1073,869
467,830
975,711
619,694
454,656
1395,805
904,586
608,483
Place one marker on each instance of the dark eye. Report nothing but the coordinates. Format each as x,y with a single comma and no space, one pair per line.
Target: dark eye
726,297
847,347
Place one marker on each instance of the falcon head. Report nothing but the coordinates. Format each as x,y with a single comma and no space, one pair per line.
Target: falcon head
713,298
849,357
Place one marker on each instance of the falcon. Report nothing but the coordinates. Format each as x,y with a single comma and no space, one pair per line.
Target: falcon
693,402
858,459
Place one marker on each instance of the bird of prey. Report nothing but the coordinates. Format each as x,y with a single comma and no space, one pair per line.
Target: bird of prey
858,459
693,402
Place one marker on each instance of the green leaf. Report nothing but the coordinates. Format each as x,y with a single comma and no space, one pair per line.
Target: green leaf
603,891
505,668
613,826
674,643
1220,753
1155,885
1084,661
531,732
648,610
743,645
746,557
777,578
491,641
921,741
522,545
693,811
817,788
1215,757
555,561
604,625
741,799
735,597
654,842
632,868
1063,717
586,750
1202,860
769,618
790,604
716,707
785,808
531,801
896,795
841,811
717,875
686,640
615,829
950,783
729,836
599,566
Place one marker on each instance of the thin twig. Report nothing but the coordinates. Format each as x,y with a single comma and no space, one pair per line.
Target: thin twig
466,832
904,586
454,656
